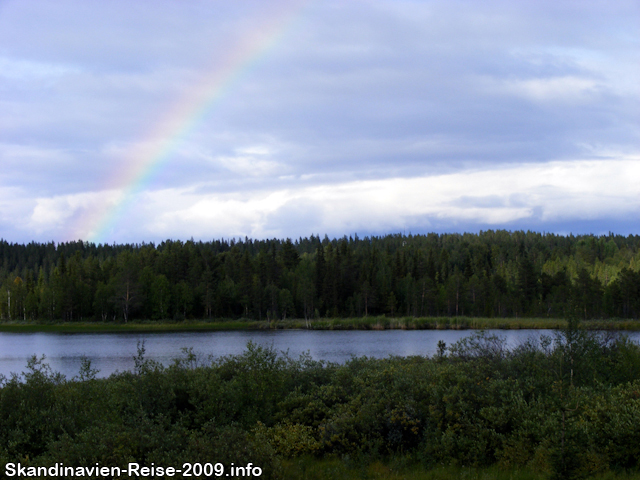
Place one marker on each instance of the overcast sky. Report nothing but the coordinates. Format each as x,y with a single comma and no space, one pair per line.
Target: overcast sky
141,121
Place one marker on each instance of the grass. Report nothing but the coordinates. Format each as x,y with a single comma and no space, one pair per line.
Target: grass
366,323
142,327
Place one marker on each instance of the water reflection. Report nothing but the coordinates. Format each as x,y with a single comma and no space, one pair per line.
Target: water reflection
114,352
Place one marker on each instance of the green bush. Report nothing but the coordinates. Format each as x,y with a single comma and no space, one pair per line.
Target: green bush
566,407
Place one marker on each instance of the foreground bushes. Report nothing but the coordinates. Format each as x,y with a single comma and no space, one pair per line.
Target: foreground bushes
566,407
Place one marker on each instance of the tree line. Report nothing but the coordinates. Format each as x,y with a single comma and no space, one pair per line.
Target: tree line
489,274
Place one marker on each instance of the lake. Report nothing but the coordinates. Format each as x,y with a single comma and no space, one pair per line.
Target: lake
111,352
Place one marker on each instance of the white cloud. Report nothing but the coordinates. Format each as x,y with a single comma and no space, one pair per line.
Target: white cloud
26,70
567,89
62,215
31,154
558,191
560,89
249,161
255,150
247,165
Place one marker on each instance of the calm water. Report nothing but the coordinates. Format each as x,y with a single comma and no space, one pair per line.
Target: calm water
114,352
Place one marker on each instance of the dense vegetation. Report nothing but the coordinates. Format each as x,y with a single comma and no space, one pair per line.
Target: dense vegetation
491,274
566,407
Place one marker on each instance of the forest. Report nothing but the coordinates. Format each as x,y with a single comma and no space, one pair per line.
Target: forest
489,274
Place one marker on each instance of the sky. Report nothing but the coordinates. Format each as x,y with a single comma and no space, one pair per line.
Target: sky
143,121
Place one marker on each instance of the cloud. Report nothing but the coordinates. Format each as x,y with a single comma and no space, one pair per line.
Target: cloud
369,116
15,209
566,89
252,161
25,70
590,191
59,215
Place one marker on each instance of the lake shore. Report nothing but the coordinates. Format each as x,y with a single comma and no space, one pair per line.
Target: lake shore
368,323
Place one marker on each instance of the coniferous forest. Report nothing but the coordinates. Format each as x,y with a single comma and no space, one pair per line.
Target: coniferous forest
565,406
490,274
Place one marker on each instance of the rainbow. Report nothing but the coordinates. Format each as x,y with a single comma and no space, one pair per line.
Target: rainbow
144,161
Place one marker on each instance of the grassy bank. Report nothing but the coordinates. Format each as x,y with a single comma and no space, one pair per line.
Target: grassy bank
368,323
